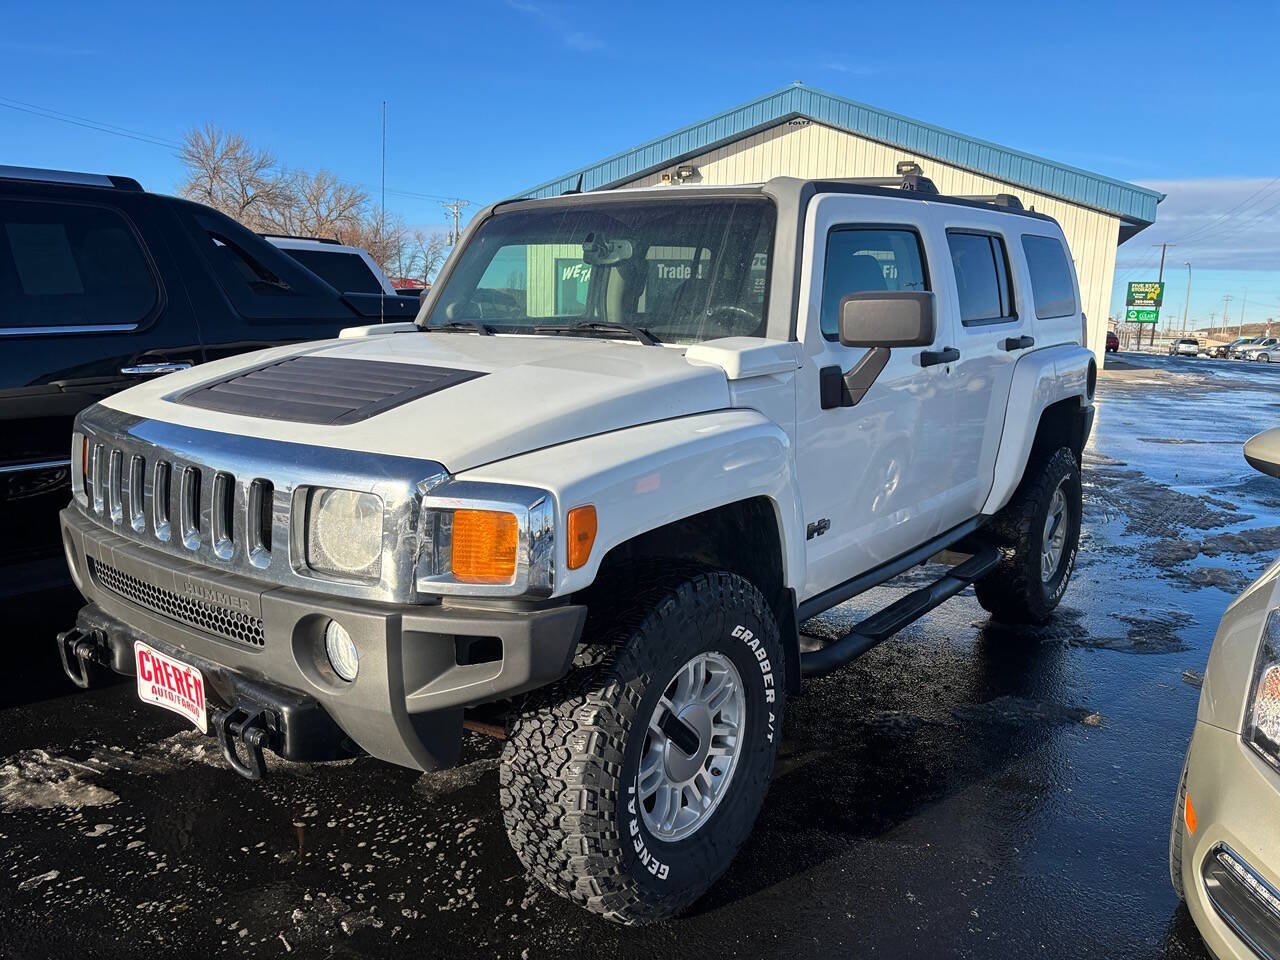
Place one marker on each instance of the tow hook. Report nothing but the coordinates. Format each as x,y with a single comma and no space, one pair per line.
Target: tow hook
80,650
250,727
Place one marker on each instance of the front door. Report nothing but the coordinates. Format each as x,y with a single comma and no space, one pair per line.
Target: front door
872,474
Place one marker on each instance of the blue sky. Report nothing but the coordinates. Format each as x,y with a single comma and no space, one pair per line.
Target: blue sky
488,97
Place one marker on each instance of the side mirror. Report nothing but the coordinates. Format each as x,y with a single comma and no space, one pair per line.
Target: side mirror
1263,452
881,318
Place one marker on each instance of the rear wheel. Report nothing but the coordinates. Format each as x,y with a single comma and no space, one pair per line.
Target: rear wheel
1037,534
629,786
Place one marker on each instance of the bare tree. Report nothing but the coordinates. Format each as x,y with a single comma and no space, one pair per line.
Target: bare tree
227,173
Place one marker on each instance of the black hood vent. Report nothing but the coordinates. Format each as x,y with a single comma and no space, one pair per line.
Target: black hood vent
320,389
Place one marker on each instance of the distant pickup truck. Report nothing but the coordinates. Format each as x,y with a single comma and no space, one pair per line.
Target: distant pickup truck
634,440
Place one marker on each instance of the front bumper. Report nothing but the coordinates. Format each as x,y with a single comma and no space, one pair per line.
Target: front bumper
1236,797
420,665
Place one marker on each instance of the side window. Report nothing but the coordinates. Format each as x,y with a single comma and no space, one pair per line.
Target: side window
982,277
260,281
345,272
1051,285
861,259
71,264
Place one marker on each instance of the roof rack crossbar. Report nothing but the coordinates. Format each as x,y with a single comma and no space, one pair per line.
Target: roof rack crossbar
910,182
995,199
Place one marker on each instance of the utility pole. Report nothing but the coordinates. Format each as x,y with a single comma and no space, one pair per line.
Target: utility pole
1186,301
1243,305
1226,305
454,208
1164,247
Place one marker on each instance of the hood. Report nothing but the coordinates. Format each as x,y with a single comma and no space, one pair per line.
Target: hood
488,397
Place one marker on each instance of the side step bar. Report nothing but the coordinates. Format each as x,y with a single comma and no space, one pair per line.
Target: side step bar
880,626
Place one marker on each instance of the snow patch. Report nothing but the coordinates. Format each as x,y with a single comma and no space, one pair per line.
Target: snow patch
36,780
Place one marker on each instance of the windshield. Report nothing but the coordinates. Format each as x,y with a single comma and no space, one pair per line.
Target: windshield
680,270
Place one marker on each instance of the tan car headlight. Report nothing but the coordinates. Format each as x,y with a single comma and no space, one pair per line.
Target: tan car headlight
1262,715
344,533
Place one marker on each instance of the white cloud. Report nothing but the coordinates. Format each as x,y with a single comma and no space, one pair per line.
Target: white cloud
1217,223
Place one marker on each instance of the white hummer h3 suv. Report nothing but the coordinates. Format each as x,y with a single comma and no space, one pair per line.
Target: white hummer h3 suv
633,440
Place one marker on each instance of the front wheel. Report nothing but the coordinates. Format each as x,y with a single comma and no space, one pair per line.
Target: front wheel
1037,534
629,786
1264,358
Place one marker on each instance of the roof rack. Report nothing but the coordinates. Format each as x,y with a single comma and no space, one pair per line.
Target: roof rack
907,182
296,236
996,199
67,176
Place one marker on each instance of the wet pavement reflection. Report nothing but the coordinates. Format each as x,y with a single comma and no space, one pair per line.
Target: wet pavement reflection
964,790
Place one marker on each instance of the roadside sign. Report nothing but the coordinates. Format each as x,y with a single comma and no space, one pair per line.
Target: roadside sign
1134,315
1146,294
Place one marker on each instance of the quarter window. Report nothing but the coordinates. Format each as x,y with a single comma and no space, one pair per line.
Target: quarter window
982,277
862,259
71,264
1051,285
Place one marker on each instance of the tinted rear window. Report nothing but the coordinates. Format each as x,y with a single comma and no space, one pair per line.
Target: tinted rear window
71,264
1051,284
346,272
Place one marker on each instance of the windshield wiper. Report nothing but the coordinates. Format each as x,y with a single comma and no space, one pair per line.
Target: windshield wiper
593,326
475,326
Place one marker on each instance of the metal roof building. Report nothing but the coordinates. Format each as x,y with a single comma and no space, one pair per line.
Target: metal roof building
802,132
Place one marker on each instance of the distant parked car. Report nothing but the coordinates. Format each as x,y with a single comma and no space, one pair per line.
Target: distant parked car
1269,355
1224,848
345,268
1184,347
1113,342
1223,350
102,286
1251,351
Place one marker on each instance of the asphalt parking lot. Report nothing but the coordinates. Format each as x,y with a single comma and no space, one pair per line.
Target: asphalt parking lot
964,790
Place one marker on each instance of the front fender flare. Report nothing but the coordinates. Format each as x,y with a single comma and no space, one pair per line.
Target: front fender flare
642,478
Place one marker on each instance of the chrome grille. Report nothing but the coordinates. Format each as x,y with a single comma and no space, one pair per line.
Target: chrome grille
225,501
228,624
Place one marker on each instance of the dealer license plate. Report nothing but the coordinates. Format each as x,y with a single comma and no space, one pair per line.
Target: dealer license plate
171,684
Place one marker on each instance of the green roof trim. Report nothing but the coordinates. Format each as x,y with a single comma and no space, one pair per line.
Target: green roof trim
1127,200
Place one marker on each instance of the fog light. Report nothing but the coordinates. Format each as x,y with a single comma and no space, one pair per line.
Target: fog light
341,650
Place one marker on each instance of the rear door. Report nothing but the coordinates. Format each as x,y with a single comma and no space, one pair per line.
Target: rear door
991,331
87,307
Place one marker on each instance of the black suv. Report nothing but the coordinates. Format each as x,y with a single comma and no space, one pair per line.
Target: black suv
103,285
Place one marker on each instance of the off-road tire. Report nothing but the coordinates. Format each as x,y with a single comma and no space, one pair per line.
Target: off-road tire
1014,592
1176,829
573,749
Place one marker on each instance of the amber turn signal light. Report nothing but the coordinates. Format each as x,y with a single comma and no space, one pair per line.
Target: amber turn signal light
582,535
484,546
1189,813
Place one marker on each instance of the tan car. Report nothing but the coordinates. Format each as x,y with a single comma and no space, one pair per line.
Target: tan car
1224,845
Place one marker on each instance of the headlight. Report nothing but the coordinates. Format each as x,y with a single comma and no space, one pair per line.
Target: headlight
486,539
1262,716
344,533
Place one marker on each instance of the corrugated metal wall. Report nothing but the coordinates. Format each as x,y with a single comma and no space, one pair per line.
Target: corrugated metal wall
811,150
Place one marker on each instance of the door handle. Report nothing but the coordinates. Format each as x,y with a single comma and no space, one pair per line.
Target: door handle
930,358
1017,343
151,369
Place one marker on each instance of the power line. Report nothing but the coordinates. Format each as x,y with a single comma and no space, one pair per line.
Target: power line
47,113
